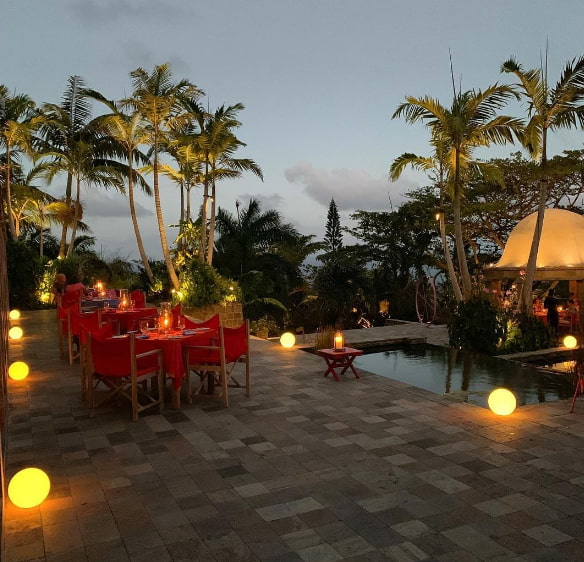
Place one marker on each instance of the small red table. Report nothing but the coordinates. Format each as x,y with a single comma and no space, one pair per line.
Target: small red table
335,359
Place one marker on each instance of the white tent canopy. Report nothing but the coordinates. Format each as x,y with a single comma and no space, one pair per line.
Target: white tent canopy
561,248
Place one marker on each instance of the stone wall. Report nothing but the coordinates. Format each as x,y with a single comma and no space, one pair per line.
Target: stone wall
231,314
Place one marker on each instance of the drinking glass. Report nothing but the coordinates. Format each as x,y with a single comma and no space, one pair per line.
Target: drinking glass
144,327
106,305
132,304
180,323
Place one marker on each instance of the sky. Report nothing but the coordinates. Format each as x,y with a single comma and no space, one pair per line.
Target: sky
319,79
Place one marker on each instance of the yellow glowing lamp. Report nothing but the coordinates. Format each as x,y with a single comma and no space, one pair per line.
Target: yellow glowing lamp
14,314
15,333
339,341
287,340
18,370
29,487
502,402
570,342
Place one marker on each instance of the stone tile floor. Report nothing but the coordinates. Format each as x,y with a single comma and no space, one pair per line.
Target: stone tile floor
305,469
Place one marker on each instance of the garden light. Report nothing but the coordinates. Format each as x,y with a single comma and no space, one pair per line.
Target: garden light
287,340
570,342
29,487
502,402
18,370
339,341
15,333
14,314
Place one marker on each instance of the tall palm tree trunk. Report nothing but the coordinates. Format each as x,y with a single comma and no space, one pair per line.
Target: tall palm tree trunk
7,183
139,242
63,242
211,240
203,248
449,263
460,253
527,289
163,239
76,217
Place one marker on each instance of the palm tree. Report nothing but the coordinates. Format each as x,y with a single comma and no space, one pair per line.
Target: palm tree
249,234
16,125
469,123
549,109
130,132
218,145
157,98
68,143
436,166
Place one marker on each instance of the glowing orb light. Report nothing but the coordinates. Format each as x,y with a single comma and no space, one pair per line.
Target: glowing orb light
502,402
15,333
570,342
29,487
18,370
287,340
14,314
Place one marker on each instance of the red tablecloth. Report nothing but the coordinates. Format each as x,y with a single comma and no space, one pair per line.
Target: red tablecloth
128,319
171,346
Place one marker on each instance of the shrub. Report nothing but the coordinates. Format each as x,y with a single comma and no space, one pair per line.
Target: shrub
526,333
476,325
25,270
201,285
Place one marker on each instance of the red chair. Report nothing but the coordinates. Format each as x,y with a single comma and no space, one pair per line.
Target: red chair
65,304
87,329
215,362
118,365
139,298
212,323
92,321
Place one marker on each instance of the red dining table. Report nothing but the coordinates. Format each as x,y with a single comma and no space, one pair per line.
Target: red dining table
171,345
128,319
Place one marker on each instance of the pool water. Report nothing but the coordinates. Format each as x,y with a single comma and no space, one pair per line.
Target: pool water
465,375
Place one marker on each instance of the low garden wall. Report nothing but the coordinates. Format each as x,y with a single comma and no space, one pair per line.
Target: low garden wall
230,315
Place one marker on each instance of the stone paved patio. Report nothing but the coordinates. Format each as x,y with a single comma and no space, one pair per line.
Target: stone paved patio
305,469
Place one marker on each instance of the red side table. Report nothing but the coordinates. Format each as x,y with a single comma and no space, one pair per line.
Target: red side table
337,359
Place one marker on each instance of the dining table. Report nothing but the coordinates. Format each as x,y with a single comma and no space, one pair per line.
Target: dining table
99,303
128,320
172,344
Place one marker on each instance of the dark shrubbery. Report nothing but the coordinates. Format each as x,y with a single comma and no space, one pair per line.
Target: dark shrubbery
25,270
527,333
476,325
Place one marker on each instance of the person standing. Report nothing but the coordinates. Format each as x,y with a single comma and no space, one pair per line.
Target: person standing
551,305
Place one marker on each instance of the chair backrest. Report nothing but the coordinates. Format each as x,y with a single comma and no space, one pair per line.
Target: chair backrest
91,320
236,342
139,298
70,299
213,323
95,329
113,357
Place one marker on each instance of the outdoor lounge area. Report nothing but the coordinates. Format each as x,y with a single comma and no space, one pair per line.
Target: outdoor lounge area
306,468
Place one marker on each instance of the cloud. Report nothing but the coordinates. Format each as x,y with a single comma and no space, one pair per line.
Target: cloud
267,201
92,12
99,204
351,189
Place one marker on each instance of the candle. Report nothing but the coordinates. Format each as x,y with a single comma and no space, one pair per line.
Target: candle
339,341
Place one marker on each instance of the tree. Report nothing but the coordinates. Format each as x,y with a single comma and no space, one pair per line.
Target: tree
67,142
218,145
333,237
548,109
158,99
469,123
436,166
16,125
130,132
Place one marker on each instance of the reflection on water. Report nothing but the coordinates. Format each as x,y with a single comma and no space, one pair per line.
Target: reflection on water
467,375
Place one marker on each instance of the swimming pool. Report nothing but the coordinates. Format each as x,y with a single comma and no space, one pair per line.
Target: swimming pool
465,375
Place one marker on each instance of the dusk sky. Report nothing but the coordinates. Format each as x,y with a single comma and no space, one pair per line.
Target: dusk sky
319,79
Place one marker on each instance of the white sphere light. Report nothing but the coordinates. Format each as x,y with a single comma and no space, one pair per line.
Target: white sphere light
502,402
287,340
570,342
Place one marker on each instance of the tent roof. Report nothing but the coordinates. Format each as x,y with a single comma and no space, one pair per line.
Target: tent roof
561,247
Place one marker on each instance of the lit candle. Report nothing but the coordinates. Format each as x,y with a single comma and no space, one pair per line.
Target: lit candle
339,341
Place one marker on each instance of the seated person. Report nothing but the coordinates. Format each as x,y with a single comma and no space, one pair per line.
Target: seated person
60,285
